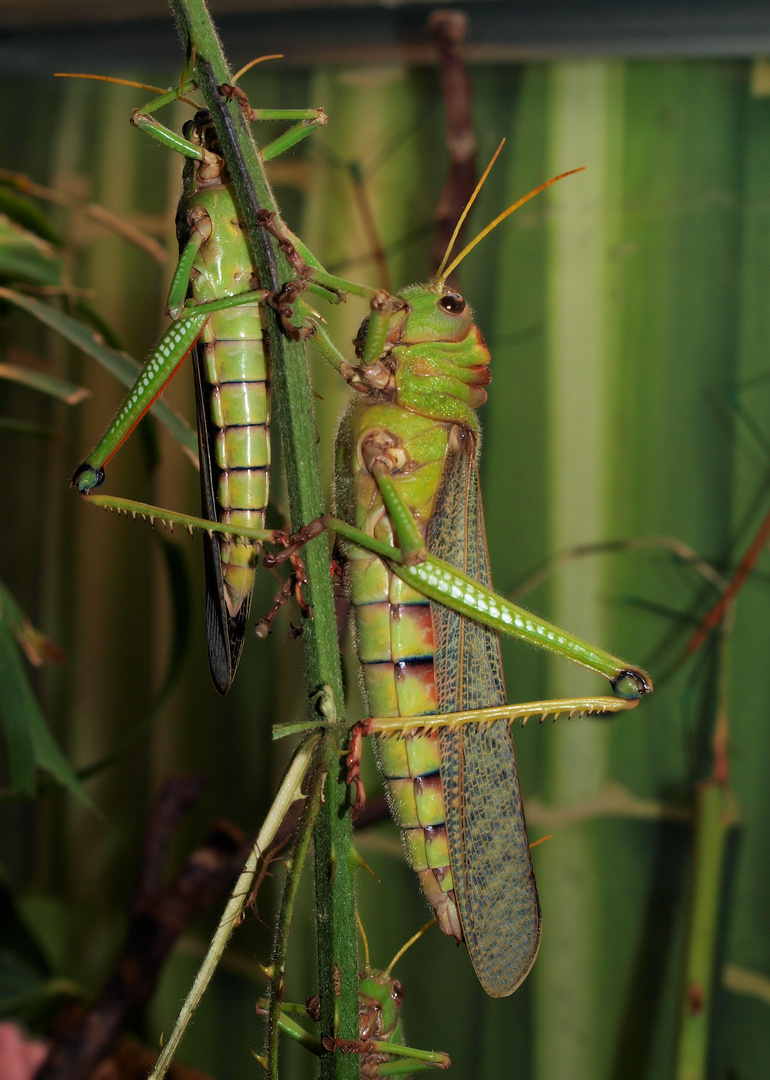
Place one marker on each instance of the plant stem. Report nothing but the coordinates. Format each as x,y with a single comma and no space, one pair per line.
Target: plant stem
292,396
713,820
293,874
288,793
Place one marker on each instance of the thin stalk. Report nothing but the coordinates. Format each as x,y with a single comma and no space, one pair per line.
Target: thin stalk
335,903
713,820
288,793
291,885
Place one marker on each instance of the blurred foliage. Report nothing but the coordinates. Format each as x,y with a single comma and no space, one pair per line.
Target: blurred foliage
625,313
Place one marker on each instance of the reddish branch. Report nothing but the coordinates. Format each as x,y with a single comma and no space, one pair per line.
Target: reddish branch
715,614
448,28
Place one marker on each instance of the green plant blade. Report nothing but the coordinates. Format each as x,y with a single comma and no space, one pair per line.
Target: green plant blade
119,364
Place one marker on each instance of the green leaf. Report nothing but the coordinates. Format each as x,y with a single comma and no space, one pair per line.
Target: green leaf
21,427
27,214
30,743
119,364
19,949
17,704
26,257
61,389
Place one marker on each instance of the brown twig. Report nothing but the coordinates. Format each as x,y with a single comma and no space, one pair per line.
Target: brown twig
176,799
448,28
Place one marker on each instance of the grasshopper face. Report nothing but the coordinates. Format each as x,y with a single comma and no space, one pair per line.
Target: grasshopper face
434,313
442,361
380,999
434,360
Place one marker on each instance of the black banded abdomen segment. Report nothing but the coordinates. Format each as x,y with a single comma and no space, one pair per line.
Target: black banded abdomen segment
412,765
238,416
395,647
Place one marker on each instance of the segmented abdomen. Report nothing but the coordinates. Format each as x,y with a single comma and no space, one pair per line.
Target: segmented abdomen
235,376
396,646
234,380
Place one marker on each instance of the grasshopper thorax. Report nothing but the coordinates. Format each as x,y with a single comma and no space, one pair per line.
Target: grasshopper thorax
444,366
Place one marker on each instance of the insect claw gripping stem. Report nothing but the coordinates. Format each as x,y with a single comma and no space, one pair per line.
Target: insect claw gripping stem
291,587
358,733
293,543
346,1046
283,303
234,93
266,218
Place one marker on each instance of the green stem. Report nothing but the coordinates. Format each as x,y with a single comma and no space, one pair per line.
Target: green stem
291,389
293,875
713,819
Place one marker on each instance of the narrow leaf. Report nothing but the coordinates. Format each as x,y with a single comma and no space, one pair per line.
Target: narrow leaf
25,257
61,389
21,209
119,364
30,743
17,704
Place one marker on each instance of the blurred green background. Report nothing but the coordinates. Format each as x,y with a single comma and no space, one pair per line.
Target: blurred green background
627,315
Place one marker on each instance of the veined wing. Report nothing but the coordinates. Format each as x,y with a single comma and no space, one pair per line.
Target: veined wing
492,871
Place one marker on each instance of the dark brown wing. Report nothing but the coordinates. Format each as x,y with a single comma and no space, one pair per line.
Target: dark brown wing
225,635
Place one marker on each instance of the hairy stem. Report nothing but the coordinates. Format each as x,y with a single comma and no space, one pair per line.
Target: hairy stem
293,405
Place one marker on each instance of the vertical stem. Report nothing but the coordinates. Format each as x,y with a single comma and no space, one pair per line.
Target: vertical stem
579,351
448,28
292,398
711,825
713,819
291,885
288,793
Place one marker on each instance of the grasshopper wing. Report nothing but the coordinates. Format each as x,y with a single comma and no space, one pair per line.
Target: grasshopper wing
492,871
225,633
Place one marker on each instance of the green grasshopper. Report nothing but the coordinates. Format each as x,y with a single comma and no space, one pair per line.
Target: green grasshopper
221,324
407,475
380,1044
427,622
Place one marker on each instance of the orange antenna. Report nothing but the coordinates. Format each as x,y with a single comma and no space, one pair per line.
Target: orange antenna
409,944
439,273
501,217
252,63
109,78
542,840
121,82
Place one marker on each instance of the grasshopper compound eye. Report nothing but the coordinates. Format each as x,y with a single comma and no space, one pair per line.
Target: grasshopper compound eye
453,303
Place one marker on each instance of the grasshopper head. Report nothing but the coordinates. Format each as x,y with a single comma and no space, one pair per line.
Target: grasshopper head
434,312
442,361
380,997
201,132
